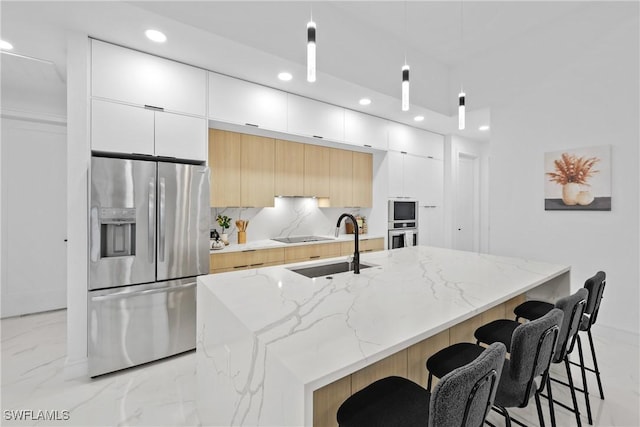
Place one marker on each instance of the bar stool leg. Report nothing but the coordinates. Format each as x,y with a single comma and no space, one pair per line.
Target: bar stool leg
595,364
573,391
552,411
584,381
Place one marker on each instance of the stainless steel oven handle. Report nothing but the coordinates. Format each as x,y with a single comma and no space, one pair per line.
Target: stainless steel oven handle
151,220
121,295
162,219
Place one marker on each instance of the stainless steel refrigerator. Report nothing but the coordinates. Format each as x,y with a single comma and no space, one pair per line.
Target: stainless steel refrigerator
149,239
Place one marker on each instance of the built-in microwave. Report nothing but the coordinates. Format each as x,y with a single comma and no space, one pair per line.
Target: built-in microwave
403,213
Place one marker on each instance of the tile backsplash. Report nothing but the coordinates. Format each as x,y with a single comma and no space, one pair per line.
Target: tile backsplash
291,216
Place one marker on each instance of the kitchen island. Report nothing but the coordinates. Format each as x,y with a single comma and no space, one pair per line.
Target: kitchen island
277,348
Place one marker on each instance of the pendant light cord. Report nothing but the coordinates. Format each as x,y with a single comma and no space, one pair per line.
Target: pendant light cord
461,40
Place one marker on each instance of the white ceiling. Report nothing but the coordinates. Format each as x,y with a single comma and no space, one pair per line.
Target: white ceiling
361,46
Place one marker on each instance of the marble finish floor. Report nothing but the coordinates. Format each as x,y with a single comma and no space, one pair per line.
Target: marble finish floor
164,393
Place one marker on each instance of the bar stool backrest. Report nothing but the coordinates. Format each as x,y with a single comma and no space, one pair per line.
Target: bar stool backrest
532,348
464,396
595,285
573,307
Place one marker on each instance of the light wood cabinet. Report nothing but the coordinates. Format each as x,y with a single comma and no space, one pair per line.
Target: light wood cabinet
289,174
234,261
341,178
311,252
242,169
362,178
224,162
257,171
317,163
369,245
418,354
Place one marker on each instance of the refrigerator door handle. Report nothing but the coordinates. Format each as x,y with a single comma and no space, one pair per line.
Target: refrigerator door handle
162,220
121,295
151,220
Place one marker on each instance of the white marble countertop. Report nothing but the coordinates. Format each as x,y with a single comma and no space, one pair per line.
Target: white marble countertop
270,244
269,336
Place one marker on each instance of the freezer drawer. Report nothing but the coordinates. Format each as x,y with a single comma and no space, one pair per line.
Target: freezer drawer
138,324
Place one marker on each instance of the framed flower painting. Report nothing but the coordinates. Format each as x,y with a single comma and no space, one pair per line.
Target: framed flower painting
578,179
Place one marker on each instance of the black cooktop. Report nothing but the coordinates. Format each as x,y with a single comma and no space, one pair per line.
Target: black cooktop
300,239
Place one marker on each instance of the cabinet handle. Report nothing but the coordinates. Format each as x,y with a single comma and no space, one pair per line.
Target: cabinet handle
251,124
240,266
254,265
403,152
153,107
314,257
249,250
318,136
367,145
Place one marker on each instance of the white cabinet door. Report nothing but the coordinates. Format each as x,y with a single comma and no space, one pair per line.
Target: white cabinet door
415,141
141,79
363,129
414,176
237,101
121,128
431,226
395,162
314,118
183,137
432,192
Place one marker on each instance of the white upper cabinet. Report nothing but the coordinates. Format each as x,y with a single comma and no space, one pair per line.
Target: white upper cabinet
415,141
182,137
432,192
141,79
416,177
237,101
365,130
314,118
121,128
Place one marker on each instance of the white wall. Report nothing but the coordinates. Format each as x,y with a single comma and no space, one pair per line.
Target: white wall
582,92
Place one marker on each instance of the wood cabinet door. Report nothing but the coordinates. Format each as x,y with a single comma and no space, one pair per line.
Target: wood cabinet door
317,162
341,178
182,137
224,162
257,171
120,128
289,179
362,180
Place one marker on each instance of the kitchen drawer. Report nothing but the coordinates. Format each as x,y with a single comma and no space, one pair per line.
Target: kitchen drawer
309,252
369,245
232,261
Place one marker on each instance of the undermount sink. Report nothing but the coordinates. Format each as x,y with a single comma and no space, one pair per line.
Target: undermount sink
327,269
300,239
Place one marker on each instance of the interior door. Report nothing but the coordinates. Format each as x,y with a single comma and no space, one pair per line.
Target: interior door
34,209
183,220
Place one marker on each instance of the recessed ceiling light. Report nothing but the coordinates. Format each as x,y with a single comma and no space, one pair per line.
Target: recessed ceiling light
284,76
483,127
365,101
418,118
156,36
5,45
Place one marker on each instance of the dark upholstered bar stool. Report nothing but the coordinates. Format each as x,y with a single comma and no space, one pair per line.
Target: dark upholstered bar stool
595,285
532,348
573,308
462,398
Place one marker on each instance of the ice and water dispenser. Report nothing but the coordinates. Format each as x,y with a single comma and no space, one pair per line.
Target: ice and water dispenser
117,232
